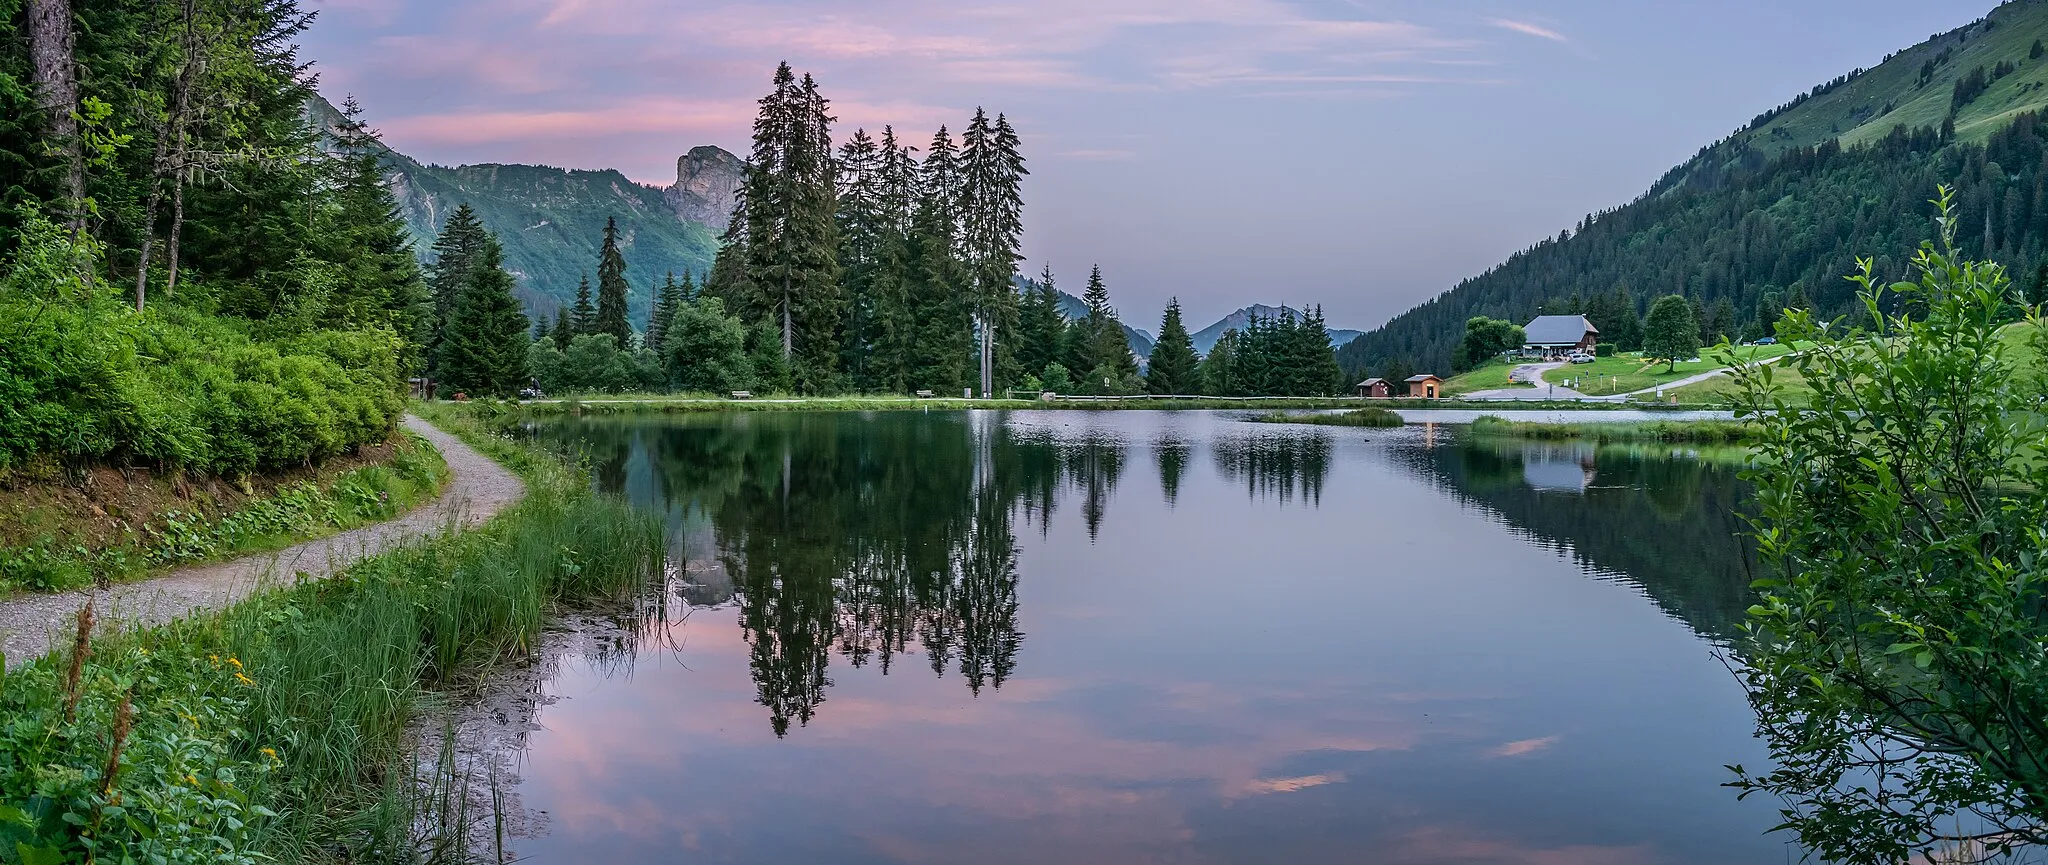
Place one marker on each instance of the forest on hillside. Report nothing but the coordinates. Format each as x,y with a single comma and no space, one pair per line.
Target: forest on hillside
1749,235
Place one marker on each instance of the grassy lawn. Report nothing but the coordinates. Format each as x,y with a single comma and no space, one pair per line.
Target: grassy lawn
1623,373
1493,376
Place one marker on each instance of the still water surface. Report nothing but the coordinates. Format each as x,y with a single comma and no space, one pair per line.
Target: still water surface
1126,637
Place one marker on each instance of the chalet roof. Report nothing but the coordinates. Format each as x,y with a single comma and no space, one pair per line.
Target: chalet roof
1557,330
1423,377
1372,381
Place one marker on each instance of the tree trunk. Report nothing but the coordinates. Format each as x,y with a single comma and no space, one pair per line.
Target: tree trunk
787,343
55,76
171,247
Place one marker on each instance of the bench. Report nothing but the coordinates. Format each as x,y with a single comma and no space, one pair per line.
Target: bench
924,394
741,394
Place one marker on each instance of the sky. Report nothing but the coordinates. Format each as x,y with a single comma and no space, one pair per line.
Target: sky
1364,155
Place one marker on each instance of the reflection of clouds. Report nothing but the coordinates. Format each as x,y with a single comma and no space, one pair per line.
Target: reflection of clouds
1448,844
1524,746
1267,786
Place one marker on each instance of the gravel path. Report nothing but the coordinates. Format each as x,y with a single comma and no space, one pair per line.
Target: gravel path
477,489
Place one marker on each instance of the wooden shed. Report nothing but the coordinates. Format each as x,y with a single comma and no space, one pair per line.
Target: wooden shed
1425,386
1375,388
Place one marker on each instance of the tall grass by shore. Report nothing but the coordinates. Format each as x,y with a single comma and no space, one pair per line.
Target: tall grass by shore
1366,417
277,730
1693,432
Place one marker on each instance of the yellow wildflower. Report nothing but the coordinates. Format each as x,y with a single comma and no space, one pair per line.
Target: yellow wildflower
245,680
237,663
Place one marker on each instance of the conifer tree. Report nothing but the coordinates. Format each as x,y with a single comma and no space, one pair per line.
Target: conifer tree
1108,348
455,253
890,282
1040,325
564,331
1320,374
584,314
790,271
1627,332
1219,369
1172,366
666,302
611,287
540,330
939,351
484,348
991,205
864,226
377,278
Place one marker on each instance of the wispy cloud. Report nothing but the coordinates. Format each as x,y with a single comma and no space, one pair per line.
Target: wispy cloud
1528,29
1524,747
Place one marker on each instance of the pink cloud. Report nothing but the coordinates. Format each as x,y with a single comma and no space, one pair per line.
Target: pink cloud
1524,747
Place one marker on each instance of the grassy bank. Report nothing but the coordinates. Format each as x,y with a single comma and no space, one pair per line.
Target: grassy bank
58,534
1365,417
1693,432
277,730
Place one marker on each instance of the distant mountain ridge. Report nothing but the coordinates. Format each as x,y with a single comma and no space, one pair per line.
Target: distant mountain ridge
1207,337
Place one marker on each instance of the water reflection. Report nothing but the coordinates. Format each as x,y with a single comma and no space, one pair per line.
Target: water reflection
1316,645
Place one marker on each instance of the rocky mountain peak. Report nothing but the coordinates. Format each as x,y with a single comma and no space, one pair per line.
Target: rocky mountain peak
707,186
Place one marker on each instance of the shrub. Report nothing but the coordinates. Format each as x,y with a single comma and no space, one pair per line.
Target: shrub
1605,349
85,378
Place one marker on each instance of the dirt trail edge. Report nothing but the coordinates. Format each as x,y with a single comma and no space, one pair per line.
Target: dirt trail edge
477,489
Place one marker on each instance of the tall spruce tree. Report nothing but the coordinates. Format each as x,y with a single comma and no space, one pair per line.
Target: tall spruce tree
1108,348
864,224
666,302
1320,372
611,287
941,345
991,207
455,253
564,331
1219,368
484,348
377,278
1171,369
583,315
890,281
1040,325
790,270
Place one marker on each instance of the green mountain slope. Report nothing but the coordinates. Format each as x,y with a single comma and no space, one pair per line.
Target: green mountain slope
551,220
1782,209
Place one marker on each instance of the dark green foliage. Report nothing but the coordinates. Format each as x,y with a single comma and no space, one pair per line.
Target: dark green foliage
83,378
484,344
1099,345
1485,339
1040,325
1671,333
1171,369
1284,356
1894,657
611,288
666,302
1219,370
1375,416
583,315
787,259
939,348
1056,378
1605,349
991,214
564,330
593,364
707,349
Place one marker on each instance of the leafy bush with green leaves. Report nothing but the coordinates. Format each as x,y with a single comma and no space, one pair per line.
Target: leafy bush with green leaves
86,378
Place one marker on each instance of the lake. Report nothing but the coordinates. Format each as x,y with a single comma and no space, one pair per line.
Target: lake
1118,637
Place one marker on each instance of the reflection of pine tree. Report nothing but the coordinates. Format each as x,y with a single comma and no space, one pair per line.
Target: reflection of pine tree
1277,465
1173,461
986,602
1094,465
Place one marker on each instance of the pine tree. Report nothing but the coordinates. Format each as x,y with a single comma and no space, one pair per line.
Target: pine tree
865,224
1040,325
1320,373
564,331
787,203
540,330
991,205
1172,367
666,302
1108,348
895,325
1627,334
940,348
377,278
484,349
455,254
584,314
611,287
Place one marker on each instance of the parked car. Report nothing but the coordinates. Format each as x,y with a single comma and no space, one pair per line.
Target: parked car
1579,357
1769,340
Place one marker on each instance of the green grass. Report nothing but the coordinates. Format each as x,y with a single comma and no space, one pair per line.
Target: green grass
1626,373
1697,432
1365,417
300,512
278,728
1492,376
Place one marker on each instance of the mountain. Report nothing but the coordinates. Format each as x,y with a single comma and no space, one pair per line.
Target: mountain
1781,209
1206,338
551,220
